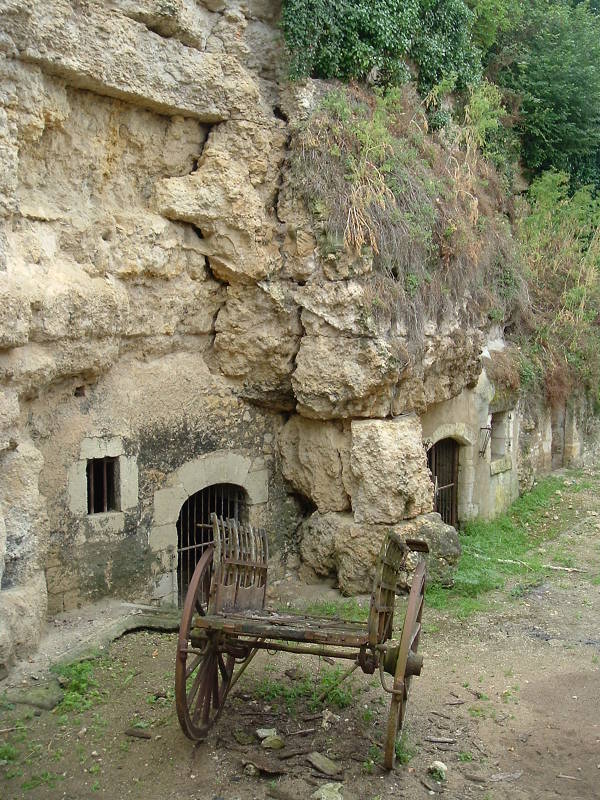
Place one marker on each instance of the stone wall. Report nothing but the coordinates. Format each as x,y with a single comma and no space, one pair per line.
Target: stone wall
485,425
562,434
139,160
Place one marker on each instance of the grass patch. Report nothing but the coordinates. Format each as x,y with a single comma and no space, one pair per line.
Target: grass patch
49,779
405,751
349,609
306,688
8,752
493,552
373,757
480,712
81,690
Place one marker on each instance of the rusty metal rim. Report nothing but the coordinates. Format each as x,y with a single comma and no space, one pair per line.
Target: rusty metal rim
213,670
409,642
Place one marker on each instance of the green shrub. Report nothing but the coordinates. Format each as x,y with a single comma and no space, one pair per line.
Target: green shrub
442,44
493,17
349,38
560,235
551,63
358,38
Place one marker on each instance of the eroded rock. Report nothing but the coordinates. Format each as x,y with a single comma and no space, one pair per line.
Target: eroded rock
257,336
335,544
22,615
222,199
114,55
389,464
311,460
345,377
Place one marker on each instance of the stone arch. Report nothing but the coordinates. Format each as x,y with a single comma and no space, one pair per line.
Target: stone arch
467,441
217,467
462,433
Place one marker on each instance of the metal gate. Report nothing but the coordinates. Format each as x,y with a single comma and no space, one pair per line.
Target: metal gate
442,460
194,528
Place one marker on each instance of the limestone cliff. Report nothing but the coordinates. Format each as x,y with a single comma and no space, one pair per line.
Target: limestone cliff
164,299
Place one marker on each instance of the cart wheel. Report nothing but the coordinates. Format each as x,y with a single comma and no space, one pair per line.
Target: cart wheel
409,643
202,673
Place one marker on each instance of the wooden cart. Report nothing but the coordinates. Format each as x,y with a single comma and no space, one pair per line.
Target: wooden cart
225,623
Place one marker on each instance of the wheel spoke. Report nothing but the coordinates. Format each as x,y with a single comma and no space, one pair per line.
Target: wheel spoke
197,681
203,701
208,690
223,669
415,636
193,665
215,688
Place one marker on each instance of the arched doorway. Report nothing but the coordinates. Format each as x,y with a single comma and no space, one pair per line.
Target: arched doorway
194,528
442,460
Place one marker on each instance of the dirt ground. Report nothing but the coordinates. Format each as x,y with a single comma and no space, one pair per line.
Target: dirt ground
512,692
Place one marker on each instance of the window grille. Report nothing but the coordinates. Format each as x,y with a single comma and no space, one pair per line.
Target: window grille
442,460
102,493
194,528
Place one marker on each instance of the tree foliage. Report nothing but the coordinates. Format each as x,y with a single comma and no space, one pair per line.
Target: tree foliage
553,69
358,38
493,18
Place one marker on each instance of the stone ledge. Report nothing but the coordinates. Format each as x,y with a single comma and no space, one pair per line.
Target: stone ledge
112,55
499,465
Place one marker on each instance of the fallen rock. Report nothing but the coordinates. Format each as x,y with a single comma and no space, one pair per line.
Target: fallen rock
324,764
255,764
329,718
329,791
438,770
47,696
273,742
264,733
334,544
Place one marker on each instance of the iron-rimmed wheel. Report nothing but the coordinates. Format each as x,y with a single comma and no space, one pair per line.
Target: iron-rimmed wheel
409,644
202,671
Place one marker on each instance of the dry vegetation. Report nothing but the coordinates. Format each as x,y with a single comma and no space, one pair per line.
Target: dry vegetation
430,209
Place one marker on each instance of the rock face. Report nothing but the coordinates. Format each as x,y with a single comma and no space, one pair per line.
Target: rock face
165,304
257,336
389,466
335,544
113,55
312,460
